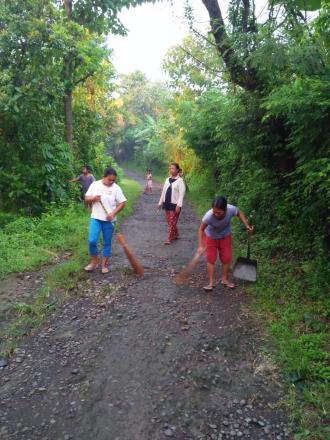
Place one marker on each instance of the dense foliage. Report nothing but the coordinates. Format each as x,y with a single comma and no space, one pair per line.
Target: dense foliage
56,77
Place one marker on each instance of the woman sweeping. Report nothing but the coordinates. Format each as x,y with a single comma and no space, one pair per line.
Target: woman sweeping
214,235
171,201
107,199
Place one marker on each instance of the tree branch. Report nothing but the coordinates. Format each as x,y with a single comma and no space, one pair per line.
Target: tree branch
208,68
240,75
245,15
83,79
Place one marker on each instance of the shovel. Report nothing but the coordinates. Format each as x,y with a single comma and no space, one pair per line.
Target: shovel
245,268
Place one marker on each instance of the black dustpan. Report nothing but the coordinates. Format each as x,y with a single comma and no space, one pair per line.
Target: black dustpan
245,268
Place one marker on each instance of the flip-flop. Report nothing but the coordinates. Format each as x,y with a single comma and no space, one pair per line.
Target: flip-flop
229,285
167,242
90,268
105,270
208,288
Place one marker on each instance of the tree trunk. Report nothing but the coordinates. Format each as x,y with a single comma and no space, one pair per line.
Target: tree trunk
239,74
68,116
68,8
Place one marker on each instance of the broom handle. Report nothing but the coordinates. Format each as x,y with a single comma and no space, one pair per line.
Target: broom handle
104,208
106,211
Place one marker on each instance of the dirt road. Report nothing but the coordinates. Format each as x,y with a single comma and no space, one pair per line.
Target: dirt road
144,359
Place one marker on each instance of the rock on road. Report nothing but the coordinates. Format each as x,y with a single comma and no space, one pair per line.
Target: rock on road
144,359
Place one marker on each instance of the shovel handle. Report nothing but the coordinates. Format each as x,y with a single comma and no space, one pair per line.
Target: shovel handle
249,238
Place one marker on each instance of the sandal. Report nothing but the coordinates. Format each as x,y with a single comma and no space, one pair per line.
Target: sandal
167,242
208,288
228,284
105,270
90,268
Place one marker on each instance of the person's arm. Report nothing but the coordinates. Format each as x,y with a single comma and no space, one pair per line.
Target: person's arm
161,197
113,214
242,218
90,195
120,201
76,179
201,237
92,199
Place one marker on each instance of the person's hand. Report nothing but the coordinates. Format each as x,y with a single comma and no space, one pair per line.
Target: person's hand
249,229
201,249
96,199
158,207
110,216
178,209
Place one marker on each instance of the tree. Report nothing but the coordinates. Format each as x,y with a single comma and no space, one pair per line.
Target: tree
193,65
95,16
239,68
35,160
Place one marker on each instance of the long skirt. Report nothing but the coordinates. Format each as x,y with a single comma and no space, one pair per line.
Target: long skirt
172,220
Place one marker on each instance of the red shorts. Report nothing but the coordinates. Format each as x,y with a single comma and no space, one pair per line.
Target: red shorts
223,246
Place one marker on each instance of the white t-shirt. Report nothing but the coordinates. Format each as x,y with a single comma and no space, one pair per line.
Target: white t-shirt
111,196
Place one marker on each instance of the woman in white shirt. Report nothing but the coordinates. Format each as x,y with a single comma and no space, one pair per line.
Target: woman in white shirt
107,199
171,201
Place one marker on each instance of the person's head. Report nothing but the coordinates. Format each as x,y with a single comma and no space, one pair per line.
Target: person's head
86,169
219,207
109,176
174,169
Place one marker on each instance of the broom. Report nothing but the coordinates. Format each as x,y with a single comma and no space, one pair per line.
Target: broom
182,277
136,265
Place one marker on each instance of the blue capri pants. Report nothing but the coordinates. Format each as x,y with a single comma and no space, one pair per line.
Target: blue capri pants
95,228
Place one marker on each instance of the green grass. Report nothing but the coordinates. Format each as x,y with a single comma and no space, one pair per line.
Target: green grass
54,232
297,318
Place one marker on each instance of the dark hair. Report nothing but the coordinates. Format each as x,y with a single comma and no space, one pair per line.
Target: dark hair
176,165
219,202
109,172
88,168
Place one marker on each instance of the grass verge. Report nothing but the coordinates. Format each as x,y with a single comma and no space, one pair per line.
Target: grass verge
58,232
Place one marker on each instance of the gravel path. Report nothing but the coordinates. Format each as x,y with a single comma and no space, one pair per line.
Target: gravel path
142,358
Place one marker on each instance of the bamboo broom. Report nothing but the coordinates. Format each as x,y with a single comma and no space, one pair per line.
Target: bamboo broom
136,265
183,276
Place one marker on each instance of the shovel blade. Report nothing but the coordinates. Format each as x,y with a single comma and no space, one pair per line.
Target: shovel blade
245,269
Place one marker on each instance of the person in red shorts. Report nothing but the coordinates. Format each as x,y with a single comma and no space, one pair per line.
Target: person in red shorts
215,237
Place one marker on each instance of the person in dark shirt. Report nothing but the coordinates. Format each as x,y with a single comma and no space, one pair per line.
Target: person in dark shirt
85,179
171,201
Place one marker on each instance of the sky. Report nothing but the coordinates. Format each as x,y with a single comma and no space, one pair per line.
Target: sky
152,30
